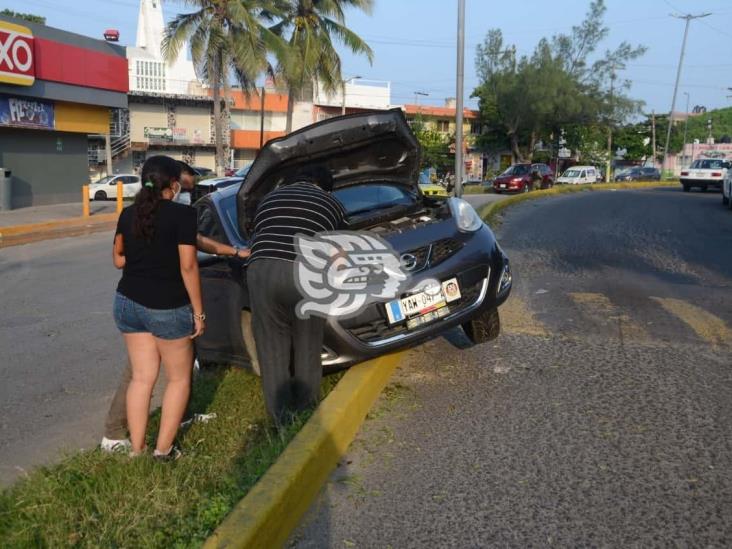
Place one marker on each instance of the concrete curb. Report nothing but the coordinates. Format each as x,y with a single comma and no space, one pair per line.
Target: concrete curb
54,226
489,212
273,508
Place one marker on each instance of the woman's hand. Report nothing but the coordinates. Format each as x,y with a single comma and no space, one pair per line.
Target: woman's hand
199,326
243,253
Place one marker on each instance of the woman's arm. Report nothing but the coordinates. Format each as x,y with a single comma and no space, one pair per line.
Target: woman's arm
211,246
192,282
118,252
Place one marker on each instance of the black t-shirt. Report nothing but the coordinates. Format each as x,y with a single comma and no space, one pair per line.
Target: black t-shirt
151,276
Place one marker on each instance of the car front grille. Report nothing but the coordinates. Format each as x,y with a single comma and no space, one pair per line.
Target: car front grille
377,328
433,254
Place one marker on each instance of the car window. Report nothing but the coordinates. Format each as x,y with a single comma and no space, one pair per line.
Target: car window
209,224
129,179
116,180
363,198
583,173
571,173
708,164
102,180
519,169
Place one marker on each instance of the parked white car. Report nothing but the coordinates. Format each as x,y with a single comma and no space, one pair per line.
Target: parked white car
704,173
577,175
106,187
727,189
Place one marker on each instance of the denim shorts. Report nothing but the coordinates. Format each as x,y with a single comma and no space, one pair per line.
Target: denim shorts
133,318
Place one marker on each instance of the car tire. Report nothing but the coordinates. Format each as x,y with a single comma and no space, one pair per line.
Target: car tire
686,188
525,189
100,195
484,327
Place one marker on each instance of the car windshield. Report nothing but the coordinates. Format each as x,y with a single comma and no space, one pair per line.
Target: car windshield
370,197
708,164
519,169
571,173
241,172
103,180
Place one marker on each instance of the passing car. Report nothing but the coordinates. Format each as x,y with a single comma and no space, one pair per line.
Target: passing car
638,173
203,172
578,175
374,160
522,178
106,187
431,189
207,186
704,173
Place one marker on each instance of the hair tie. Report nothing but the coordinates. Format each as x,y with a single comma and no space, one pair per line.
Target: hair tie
149,184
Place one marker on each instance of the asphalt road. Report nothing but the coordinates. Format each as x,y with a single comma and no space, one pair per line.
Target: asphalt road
602,416
61,353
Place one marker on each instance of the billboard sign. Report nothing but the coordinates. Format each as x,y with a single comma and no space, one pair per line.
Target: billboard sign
17,62
26,113
160,134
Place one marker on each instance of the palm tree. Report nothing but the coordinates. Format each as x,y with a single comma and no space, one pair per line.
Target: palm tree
225,36
314,25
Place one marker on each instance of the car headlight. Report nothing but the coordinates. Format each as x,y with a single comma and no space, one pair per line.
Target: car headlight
506,278
466,218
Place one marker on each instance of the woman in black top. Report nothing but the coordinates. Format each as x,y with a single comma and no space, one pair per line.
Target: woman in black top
158,305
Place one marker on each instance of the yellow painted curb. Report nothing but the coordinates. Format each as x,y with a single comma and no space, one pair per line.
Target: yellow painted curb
273,507
50,226
489,211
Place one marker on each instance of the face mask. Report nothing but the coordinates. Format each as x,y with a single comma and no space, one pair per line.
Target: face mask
176,194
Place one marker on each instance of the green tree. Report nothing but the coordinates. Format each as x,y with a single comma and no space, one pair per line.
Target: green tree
31,18
435,147
530,98
225,36
313,26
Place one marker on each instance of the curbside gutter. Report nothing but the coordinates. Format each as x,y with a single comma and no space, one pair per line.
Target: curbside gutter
266,516
55,229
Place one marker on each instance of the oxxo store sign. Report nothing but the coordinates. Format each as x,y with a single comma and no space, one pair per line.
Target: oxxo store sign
17,64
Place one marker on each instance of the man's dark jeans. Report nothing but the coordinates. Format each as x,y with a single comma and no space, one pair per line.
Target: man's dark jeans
288,347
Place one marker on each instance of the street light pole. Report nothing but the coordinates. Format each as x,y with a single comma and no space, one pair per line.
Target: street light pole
686,126
459,99
688,18
343,89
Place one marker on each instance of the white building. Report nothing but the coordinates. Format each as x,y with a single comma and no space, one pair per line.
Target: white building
149,72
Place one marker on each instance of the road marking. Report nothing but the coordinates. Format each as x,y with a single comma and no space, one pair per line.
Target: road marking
517,318
707,326
600,307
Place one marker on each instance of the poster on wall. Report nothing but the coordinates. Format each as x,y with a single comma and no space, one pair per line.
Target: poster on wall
163,134
26,113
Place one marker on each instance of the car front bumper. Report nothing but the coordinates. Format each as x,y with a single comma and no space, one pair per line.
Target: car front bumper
369,334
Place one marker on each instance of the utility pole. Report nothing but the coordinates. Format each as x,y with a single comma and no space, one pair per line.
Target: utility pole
416,98
459,99
686,126
261,119
343,89
688,17
608,167
653,138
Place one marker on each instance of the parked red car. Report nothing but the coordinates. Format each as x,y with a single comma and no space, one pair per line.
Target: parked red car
522,178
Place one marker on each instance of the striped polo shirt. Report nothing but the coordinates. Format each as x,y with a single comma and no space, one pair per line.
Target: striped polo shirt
299,208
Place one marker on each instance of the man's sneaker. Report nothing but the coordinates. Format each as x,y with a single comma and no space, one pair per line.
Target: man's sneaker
115,445
171,455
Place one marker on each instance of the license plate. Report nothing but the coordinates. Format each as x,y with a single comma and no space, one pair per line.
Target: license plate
423,304
503,185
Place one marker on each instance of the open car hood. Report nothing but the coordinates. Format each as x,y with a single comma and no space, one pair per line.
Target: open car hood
358,148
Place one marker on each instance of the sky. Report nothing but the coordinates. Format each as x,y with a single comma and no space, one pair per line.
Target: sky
414,41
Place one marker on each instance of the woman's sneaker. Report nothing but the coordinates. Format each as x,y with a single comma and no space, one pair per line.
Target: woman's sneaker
171,455
114,446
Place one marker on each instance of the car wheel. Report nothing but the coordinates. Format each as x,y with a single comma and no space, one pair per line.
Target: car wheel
100,195
484,327
525,189
247,335
686,188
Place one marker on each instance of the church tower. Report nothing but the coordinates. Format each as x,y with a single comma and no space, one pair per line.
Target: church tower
150,27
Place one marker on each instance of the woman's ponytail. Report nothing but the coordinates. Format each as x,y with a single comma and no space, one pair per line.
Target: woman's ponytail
158,174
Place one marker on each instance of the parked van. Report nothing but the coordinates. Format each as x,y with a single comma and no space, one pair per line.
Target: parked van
580,174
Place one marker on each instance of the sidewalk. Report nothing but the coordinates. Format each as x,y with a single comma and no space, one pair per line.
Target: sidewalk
26,225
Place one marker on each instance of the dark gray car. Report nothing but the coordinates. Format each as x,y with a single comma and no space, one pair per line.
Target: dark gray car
374,161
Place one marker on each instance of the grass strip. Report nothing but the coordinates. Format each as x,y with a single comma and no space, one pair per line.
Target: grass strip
93,499
490,212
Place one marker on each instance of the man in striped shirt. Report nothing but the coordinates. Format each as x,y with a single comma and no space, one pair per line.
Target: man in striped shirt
288,347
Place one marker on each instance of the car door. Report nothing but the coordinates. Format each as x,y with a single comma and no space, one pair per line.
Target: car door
223,287
131,185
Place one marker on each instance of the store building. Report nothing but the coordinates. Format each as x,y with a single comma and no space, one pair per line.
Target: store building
56,88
